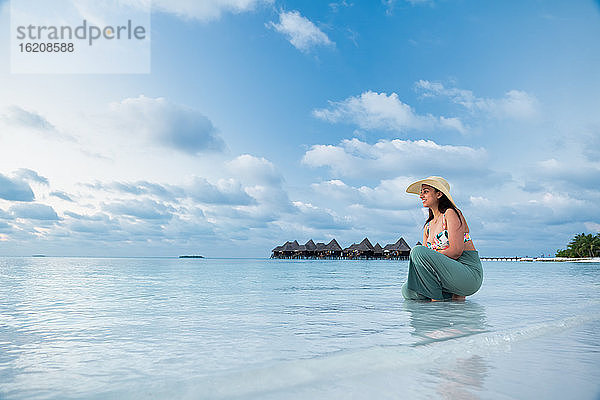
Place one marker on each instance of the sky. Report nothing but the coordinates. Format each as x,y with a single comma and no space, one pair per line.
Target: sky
263,121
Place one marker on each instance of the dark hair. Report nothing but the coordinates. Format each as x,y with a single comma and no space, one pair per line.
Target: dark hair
443,205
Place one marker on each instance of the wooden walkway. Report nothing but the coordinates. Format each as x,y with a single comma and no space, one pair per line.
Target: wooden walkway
500,258
542,259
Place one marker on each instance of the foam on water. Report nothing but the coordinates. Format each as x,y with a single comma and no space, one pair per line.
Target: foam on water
285,377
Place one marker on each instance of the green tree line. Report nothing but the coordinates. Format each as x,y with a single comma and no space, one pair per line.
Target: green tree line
582,245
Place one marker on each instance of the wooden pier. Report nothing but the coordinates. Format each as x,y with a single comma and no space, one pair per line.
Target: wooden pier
500,258
543,259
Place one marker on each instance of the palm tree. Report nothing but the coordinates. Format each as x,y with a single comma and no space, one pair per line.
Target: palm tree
596,246
582,245
587,246
577,245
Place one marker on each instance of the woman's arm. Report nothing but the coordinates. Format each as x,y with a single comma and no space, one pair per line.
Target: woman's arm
425,235
456,235
464,221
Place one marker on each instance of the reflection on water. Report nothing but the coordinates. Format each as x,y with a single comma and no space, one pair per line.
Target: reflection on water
463,378
435,321
460,377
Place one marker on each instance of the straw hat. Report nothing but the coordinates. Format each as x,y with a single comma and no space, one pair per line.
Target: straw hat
435,181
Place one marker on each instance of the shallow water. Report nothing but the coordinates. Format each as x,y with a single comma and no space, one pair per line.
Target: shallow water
231,328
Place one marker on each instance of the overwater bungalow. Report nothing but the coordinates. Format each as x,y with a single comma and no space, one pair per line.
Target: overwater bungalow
287,250
362,250
378,251
310,249
333,250
398,250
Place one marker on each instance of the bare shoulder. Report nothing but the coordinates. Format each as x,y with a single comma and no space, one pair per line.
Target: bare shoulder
452,215
456,217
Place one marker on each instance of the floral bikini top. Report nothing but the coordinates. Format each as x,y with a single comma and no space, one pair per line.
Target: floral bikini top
441,241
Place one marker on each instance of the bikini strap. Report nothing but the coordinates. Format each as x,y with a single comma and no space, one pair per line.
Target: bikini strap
444,227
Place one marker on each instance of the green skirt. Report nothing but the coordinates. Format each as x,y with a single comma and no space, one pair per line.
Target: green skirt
432,275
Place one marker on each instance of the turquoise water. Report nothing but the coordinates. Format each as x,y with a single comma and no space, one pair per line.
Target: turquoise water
270,329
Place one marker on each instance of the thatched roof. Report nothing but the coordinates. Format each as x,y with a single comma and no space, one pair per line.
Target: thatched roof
321,246
365,245
377,249
333,246
351,247
400,245
291,246
310,245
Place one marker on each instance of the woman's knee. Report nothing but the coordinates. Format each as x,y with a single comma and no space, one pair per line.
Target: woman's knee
418,252
410,294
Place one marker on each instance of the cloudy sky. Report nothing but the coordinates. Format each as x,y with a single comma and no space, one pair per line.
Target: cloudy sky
271,120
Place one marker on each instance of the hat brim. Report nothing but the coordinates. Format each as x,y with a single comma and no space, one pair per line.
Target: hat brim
415,188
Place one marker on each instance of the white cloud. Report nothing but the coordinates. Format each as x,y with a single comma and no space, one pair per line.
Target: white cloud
272,200
17,116
391,4
300,31
516,104
336,6
371,110
5,215
573,173
225,191
336,190
238,200
480,201
99,230
389,194
141,209
61,195
559,201
34,211
30,175
593,227
19,120
391,158
313,217
254,169
15,189
206,10
173,125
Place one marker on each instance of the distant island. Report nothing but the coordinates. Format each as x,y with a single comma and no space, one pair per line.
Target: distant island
191,256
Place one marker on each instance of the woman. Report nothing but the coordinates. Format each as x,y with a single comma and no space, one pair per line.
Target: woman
448,266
